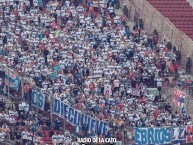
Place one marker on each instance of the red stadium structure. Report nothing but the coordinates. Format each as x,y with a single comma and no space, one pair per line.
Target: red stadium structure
179,12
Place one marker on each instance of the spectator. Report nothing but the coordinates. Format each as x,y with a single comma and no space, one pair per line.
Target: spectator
188,64
57,124
61,138
75,142
174,49
178,56
169,45
12,134
2,136
24,137
18,137
51,133
119,137
77,130
55,139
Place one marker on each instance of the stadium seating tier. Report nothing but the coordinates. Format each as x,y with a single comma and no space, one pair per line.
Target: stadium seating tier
179,12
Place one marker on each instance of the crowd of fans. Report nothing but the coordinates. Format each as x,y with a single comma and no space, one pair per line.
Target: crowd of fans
25,127
84,54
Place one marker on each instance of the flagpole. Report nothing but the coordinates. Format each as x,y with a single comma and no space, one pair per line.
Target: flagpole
22,87
8,83
37,99
51,107
188,103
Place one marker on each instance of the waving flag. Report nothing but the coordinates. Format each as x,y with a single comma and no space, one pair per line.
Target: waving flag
179,97
12,80
184,113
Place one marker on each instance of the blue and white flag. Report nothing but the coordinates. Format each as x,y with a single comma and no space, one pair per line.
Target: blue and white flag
184,113
38,99
12,80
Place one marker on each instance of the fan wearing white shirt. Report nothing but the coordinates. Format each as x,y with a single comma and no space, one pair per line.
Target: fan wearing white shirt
30,135
61,138
3,115
111,10
116,19
35,2
24,136
80,9
12,113
103,3
75,143
2,136
55,139
67,3
159,84
11,120
116,85
68,140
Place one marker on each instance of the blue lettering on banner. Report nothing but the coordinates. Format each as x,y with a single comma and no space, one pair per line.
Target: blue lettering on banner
143,136
137,136
156,135
65,111
152,135
86,119
105,128
178,135
83,119
92,125
99,125
57,106
71,114
38,99
75,117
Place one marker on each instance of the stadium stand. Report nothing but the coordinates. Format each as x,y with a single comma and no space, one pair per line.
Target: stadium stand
77,69
179,12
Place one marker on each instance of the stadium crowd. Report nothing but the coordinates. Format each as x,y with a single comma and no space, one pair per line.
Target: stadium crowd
84,54
25,127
